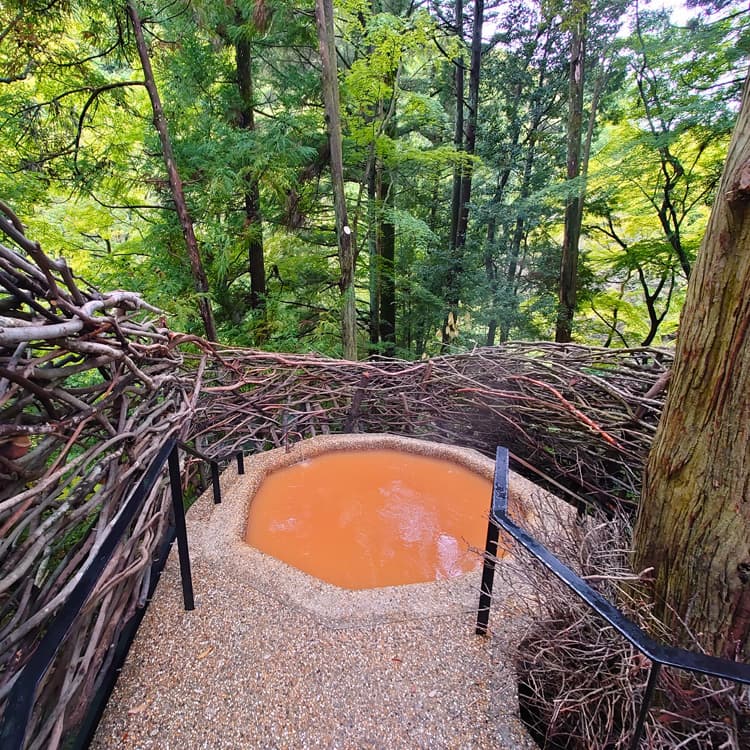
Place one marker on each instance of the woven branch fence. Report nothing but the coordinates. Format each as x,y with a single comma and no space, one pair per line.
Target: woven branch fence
578,419
92,384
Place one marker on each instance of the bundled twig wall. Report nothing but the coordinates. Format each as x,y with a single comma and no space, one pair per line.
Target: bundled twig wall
583,416
89,390
581,684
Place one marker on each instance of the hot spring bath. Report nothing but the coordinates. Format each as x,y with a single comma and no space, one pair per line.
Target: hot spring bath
218,534
371,517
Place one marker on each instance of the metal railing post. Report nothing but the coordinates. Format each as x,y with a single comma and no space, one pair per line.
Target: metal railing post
658,654
178,505
216,482
488,578
648,696
498,505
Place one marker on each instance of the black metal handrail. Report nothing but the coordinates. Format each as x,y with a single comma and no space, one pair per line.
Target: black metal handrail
20,701
658,654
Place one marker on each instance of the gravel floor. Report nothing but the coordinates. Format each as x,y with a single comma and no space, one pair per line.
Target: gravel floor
271,658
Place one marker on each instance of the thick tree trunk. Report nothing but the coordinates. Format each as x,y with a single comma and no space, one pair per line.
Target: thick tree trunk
327,47
569,262
693,526
175,183
253,219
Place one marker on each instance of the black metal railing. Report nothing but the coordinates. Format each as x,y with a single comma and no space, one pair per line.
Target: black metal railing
20,701
658,654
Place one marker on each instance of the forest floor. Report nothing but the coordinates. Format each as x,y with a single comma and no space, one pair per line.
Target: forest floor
271,658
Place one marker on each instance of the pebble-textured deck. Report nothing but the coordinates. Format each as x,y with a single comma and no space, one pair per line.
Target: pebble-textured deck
271,658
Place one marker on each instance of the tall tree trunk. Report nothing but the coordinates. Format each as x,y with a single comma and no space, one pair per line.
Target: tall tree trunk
458,128
327,48
175,183
253,219
569,261
470,139
454,250
373,226
464,140
693,526
387,256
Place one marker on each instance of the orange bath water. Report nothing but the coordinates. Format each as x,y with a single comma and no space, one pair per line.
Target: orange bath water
370,518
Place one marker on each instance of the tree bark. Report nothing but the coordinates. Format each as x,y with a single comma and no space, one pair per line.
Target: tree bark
569,261
253,218
329,77
693,525
200,279
373,224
